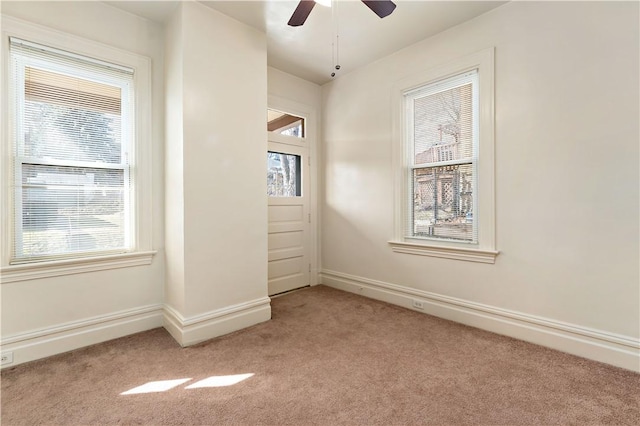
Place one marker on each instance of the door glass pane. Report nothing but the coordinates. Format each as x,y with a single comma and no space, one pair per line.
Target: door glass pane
285,124
283,175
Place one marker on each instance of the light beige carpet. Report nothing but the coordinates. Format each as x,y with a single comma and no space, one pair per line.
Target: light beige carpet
327,357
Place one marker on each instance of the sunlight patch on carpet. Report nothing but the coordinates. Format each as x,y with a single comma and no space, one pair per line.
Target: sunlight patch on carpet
159,386
220,381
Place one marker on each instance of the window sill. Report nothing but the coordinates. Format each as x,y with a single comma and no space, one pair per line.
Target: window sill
25,272
456,253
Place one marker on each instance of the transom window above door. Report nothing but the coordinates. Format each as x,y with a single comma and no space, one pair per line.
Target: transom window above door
285,124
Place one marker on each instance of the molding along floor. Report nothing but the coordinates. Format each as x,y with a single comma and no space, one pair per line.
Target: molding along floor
621,351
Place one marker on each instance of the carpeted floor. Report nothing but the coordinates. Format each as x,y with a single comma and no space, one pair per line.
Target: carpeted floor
327,357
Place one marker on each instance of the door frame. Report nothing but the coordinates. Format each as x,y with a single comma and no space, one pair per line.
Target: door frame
310,141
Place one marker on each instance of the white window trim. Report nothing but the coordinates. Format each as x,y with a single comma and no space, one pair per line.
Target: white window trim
26,272
141,252
485,249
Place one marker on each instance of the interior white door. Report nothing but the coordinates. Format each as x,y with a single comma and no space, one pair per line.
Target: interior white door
289,217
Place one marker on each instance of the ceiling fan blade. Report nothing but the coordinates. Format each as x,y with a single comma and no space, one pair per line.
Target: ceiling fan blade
301,13
381,8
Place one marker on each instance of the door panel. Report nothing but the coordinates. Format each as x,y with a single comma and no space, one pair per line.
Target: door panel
284,268
286,217
283,245
288,239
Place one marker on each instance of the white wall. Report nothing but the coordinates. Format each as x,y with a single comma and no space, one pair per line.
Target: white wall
46,316
566,108
225,92
295,89
220,274
566,137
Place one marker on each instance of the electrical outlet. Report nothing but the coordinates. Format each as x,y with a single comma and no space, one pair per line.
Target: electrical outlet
417,304
7,358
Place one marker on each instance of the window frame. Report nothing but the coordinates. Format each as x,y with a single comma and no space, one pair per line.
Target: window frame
484,250
17,114
140,252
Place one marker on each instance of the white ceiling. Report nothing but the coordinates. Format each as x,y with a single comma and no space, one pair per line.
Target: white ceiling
306,51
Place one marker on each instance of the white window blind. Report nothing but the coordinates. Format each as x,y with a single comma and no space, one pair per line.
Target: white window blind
73,133
442,132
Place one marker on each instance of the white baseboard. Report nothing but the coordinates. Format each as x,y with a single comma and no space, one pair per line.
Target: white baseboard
189,331
42,343
66,337
614,349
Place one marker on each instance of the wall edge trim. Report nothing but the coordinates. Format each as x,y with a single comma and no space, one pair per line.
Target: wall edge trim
192,330
73,325
66,337
619,350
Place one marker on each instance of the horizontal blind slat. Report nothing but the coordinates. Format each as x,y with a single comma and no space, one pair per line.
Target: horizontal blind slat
45,86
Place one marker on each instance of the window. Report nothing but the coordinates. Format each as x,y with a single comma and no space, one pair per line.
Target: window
283,175
73,131
77,154
444,161
285,124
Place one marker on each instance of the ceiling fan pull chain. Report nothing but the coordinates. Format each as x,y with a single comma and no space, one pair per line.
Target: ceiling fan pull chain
336,36
337,51
333,57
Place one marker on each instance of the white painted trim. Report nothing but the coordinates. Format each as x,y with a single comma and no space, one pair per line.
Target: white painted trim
483,61
621,351
50,341
32,271
198,328
141,167
457,253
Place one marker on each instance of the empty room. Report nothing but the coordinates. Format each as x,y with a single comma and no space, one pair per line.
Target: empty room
320,212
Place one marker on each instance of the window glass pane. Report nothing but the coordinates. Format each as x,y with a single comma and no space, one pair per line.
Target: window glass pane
69,118
283,175
285,124
443,202
443,124
71,209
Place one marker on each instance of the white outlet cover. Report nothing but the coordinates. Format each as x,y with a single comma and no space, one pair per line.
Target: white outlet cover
7,358
418,304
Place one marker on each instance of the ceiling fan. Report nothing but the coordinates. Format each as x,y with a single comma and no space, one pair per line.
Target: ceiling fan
381,8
